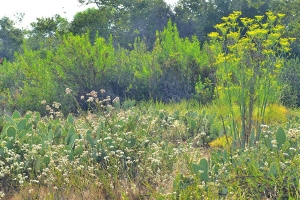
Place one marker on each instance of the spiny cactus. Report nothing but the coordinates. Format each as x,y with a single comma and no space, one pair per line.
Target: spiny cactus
201,169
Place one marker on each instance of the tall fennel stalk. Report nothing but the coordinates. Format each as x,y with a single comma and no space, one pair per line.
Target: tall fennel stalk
248,58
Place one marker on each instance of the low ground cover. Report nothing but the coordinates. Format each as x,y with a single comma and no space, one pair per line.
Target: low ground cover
143,151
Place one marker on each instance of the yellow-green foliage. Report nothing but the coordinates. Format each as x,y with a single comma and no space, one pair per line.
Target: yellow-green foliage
276,114
248,60
221,142
183,106
222,109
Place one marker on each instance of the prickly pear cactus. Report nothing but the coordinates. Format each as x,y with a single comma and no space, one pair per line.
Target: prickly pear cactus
201,169
280,137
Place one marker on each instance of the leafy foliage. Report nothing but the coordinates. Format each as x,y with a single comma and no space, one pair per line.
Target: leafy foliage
112,143
171,71
50,26
143,145
131,19
291,20
249,60
267,170
94,21
11,38
181,61
289,78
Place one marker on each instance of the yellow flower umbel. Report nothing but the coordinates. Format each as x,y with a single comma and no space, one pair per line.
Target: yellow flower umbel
259,17
271,17
222,27
214,35
247,21
280,15
285,44
234,35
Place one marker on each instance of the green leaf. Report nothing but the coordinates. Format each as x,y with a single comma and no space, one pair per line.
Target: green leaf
37,165
50,126
58,133
161,115
223,191
90,140
131,142
28,116
192,124
273,170
70,119
22,133
196,168
78,151
203,113
11,131
71,140
68,151
9,145
50,135
37,116
46,161
16,115
71,136
297,118
280,137
22,124
202,169
9,120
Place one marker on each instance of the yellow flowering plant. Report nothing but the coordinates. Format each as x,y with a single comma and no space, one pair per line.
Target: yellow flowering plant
249,55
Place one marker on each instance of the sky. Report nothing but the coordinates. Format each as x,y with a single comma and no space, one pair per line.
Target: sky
43,8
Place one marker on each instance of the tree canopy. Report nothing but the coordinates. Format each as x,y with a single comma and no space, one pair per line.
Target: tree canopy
11,38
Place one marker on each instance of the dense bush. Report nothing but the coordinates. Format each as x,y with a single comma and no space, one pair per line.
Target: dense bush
290,80
173,70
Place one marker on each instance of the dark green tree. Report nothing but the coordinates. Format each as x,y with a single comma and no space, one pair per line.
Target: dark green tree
193,17
95,21
129,19
11,38
197,17
50,26
146,18
46,32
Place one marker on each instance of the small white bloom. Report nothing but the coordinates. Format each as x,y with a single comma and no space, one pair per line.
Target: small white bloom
90,99
68,91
